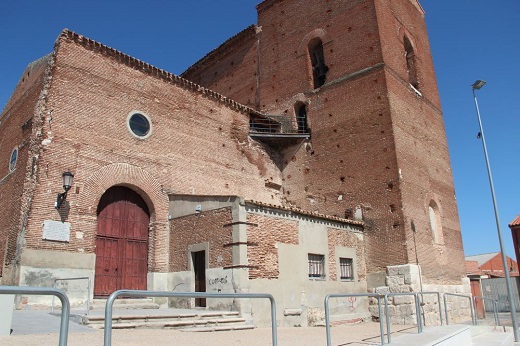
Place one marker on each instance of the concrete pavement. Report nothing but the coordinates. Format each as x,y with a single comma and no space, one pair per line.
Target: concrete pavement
37,327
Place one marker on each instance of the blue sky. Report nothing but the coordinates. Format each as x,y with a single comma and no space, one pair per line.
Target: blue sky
470,40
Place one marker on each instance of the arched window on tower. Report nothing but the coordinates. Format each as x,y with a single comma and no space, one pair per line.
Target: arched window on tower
300,109
411,63
319,69
435,223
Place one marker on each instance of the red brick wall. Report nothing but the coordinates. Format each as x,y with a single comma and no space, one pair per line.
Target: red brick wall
262,239
420,144
199,144
515,230
210,226
344,238
472,267
348,31
399,18
351,158
17,130
375,144
495,266
232,69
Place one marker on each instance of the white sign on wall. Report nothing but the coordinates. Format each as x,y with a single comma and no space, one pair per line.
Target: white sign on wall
56,230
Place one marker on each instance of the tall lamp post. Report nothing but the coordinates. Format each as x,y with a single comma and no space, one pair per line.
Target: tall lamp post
476,86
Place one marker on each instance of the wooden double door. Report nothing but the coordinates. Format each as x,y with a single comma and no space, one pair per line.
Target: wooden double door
121,242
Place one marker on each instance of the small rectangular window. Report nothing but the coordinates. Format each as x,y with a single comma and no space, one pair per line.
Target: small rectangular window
316,266
346,268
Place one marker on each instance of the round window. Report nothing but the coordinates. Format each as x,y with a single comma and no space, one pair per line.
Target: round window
13,159
139,124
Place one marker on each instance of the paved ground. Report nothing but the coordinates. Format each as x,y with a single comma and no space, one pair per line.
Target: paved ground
33,327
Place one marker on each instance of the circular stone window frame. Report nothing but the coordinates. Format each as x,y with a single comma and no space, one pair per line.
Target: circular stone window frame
12,165
146,116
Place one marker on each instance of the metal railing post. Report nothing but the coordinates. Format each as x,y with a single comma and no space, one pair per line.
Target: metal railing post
388,332
495,309
339,295
438,302
417,312
137,293
69,279
473,319
46,291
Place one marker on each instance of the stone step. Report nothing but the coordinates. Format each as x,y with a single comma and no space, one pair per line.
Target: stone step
197,321
219,328
194,325
127,304
163,317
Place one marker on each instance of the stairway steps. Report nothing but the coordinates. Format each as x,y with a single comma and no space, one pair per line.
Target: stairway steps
197,321
166,317
125,304
225,324
219,328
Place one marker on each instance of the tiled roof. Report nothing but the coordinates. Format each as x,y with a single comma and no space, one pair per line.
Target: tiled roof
515,222
482,258
305,212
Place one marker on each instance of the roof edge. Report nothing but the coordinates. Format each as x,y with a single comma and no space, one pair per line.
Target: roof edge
515,222
151,70
305,212
223,48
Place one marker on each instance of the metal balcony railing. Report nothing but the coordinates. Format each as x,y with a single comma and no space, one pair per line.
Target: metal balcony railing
278,129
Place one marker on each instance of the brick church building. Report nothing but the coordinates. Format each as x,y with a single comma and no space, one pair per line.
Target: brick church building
305,155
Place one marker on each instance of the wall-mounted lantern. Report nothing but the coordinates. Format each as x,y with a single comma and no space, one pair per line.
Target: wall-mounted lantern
68,178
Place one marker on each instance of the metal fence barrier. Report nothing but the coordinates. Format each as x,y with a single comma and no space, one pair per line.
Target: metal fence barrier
147,294
417,312
418,302
438,302
473,319
495,308
339,295
46,291
69,279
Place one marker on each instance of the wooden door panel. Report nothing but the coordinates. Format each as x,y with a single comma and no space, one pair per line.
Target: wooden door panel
107,262
135,266
479,303
122,242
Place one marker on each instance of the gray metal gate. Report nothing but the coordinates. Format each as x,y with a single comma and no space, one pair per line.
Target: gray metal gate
496,289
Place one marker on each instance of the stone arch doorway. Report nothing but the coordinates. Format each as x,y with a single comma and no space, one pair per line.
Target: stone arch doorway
121,242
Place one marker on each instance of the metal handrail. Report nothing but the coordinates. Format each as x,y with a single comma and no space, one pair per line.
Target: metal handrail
278,124
463,296
327,315
495,308
417,312
46,291
78,278
438,302
146,294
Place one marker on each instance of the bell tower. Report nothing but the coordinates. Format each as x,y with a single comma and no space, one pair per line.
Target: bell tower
377,149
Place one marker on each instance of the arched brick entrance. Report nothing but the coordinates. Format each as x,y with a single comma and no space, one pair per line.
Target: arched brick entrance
121,242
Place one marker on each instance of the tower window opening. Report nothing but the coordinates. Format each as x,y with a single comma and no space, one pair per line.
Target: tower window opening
319,69
411,63
301,117
435,223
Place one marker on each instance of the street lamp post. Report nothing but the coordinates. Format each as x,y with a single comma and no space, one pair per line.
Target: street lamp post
476,86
